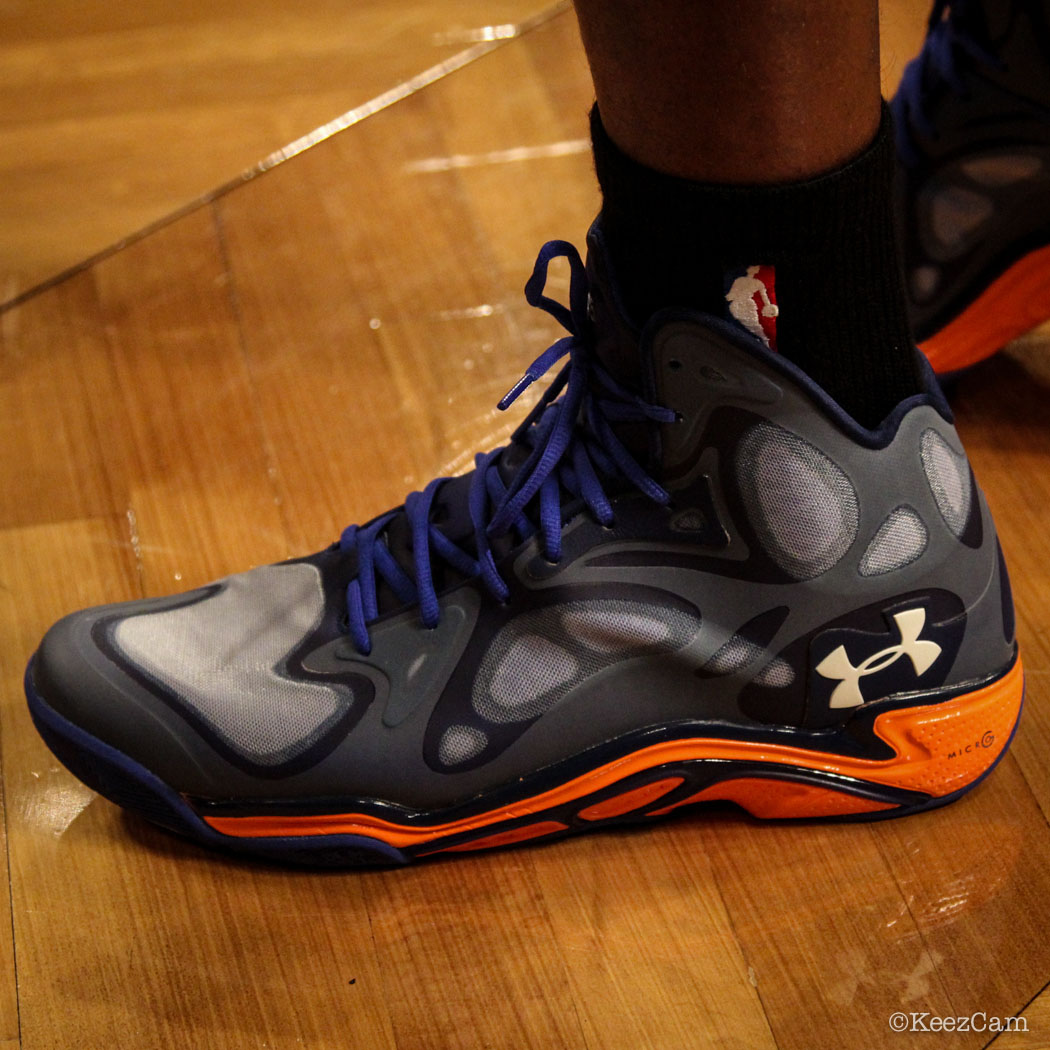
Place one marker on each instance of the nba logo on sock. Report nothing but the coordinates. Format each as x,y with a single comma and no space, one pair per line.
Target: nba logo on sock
752,301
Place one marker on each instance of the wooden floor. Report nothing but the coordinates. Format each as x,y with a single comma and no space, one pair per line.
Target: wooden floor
295,355
114,115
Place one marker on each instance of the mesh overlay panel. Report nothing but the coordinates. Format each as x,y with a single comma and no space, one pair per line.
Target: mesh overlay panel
899,541
963,202
1003,169
802,505
531,667
222,657
777,674
956,212
734,656
609,629
739,652
948,473
924,281
537,658
460,743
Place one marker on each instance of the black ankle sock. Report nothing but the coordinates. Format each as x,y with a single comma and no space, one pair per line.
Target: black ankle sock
830,239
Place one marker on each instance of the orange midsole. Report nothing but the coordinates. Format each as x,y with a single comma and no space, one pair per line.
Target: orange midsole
1013,303
773,799
938,748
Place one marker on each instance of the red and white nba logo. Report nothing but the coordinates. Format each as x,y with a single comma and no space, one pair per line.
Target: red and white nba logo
752,299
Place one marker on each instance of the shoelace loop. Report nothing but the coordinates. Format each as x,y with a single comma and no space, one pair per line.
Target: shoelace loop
573,451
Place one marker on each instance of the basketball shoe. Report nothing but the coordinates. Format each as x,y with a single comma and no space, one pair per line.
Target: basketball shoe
689,576
972,120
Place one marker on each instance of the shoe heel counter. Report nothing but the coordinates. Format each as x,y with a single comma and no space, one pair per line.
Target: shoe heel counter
967,558
1006,597
990,642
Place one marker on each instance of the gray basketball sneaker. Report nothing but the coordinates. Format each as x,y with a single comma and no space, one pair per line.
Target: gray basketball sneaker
688,577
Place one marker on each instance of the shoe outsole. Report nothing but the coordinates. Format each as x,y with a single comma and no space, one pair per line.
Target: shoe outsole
941,750
1014,303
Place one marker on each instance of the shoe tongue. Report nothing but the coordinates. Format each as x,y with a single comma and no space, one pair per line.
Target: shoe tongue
618,346
450,513
616,340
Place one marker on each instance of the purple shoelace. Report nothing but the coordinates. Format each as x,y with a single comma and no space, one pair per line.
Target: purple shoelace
573,453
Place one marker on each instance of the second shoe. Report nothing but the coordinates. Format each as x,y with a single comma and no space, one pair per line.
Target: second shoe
973,139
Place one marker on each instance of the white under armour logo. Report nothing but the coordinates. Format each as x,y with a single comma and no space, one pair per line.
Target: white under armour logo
838,666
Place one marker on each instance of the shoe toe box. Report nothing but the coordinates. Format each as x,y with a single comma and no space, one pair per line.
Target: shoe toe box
86,696
197,688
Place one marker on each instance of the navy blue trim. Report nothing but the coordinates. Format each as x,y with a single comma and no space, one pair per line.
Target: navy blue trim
1006,597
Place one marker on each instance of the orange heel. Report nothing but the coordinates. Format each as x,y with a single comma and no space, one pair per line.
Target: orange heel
1011,305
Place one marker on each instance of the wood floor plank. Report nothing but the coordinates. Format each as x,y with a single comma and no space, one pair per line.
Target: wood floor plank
471,956
1031,1030
649,947
109,123
128,393
206,505
824,926
9,1024
354,263
41,800
52,357
527,170
902,27
973,879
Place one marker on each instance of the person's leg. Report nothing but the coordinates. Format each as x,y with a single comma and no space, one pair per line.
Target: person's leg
730,135
754,91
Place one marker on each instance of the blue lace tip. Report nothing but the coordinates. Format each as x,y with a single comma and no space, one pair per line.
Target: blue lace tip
515,392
